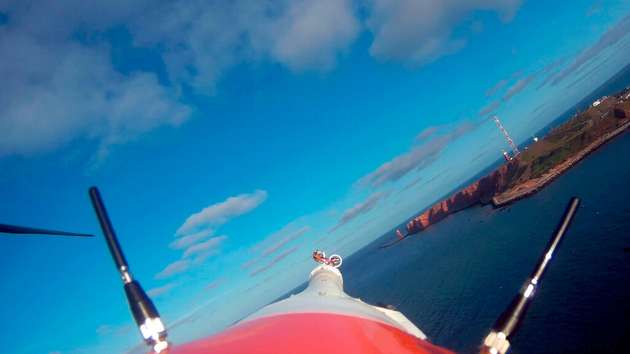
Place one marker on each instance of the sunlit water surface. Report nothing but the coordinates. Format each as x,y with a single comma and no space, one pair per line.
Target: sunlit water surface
455,278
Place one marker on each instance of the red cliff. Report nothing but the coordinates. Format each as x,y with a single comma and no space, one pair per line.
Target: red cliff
538,164
480,192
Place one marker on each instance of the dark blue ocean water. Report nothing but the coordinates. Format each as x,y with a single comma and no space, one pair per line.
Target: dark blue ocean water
455,278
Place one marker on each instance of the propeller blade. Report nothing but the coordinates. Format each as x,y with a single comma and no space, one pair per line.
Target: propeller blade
13,229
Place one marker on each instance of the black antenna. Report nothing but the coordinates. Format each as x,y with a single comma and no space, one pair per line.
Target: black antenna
144,312
22,230
498,341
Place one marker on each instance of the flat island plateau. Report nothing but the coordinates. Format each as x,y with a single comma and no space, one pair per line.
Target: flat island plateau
539,163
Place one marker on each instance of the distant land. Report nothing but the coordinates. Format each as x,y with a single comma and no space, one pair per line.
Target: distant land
540,162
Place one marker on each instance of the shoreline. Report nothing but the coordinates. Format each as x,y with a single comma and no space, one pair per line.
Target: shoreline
532,186
579,136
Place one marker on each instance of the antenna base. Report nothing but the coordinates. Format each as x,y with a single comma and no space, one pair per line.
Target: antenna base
495,343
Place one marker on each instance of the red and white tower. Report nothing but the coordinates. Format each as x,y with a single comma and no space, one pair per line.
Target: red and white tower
510,142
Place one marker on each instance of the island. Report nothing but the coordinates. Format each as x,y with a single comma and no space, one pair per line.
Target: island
539,163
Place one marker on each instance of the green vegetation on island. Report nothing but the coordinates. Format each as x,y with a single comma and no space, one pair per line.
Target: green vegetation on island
565,145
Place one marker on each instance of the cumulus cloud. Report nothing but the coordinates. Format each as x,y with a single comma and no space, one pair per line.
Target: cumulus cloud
418,158
213,36
57,89
312,33
192,235
420,31
174,268
518,86
359,209
60,84
220,213
610,38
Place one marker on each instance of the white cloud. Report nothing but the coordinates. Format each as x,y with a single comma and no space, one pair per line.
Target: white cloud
248,264
276,241
288,237
214,284
189,240
174,268
359,209
312,33
206,248
548,70
418,158
57,89
274,261
420,31
193,255
489,108
161,290
610,38
518,86
199,226
60,85
212,37
220,213
426,133
496,88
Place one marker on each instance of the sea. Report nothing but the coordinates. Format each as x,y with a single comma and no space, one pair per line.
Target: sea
454,279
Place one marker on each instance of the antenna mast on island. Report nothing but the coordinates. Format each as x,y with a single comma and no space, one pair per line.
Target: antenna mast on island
508,138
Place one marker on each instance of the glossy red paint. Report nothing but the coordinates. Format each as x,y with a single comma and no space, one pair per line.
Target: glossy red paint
310,333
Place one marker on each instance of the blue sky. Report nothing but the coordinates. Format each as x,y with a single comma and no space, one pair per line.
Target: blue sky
230,139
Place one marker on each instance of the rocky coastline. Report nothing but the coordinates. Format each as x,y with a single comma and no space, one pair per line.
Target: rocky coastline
533,185
529,172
